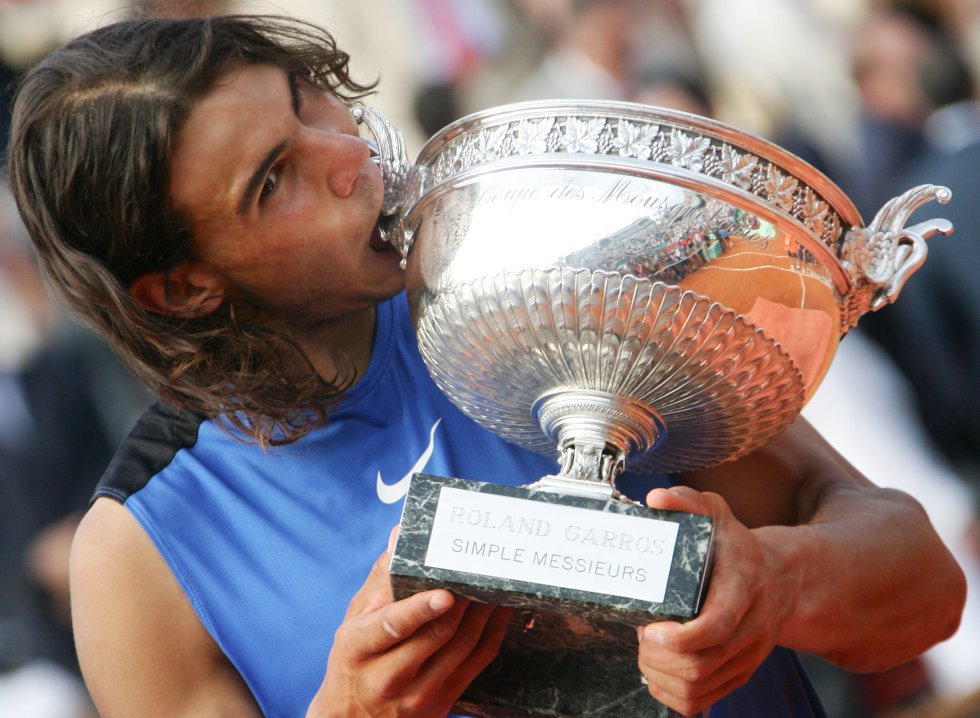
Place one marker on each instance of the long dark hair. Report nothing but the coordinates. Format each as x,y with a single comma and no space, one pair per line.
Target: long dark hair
91,141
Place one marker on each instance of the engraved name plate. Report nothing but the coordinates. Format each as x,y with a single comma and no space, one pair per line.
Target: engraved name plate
603,560
515,538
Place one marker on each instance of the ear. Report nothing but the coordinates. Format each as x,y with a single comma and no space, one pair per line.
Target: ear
190,289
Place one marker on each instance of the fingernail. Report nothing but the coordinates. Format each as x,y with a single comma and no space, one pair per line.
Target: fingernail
392,538
440,602
653,634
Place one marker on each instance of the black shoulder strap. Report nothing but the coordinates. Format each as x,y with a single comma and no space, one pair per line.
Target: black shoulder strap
152,444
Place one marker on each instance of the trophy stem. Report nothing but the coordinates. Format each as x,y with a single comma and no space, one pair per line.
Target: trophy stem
594,432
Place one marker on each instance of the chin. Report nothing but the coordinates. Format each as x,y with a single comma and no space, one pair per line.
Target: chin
396,285
388,277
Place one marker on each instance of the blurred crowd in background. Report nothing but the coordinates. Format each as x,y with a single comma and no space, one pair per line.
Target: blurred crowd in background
878,94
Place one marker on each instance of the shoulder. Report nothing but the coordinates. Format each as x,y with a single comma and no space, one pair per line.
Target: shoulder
142,649
152,444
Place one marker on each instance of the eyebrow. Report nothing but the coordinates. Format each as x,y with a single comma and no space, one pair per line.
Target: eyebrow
256,179
294,93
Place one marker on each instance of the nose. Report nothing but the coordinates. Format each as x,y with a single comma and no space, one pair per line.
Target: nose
344,157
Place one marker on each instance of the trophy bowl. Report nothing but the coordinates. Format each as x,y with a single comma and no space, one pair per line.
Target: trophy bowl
631,285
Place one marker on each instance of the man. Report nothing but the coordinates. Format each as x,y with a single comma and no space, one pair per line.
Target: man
199,191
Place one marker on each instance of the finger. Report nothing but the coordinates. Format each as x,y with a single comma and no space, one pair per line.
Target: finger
718,622
726,613
692,695
376,590
716,625
691,702
487,647
407,659
734,580
733,602
655,654
381,630
482,652
463,641
739,656
679,498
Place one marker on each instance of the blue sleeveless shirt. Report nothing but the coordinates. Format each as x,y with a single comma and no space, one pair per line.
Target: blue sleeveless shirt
269,546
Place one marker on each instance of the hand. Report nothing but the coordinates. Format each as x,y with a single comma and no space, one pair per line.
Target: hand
412,657
690,666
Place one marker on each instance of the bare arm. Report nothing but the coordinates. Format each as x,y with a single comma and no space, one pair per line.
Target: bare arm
142,649
810,555
144,652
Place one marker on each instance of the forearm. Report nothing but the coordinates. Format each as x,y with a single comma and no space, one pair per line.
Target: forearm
831,565
857,573
869,582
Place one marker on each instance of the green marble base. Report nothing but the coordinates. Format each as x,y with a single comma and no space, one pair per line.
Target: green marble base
581,581
528,682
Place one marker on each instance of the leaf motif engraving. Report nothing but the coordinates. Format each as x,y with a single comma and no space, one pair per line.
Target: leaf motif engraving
655,140
780,188
815,212
736,167
452,161
490,144
582,135
633,140
687,150
532,137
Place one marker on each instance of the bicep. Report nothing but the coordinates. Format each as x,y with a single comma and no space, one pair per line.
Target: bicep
141,647
781,483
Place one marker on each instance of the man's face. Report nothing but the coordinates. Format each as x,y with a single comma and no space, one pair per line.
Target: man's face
282,199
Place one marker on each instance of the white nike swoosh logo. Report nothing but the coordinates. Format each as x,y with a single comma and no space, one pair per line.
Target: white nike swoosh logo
390,493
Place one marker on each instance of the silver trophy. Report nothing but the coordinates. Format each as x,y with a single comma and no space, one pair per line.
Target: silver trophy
622,285
629,283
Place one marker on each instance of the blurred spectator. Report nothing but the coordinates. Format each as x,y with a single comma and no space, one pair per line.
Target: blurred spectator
592,54
905,67
780,67
456,40
933,331
907,415
962,20
64,405
676,89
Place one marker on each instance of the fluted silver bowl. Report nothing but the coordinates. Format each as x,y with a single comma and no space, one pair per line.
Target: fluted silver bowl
624,284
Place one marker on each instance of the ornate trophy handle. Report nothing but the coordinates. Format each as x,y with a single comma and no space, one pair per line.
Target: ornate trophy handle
397,172
881,257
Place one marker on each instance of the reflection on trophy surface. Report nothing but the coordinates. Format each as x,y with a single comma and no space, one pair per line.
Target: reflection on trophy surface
627,286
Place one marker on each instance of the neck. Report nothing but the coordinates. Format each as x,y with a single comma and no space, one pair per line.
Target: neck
343,345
